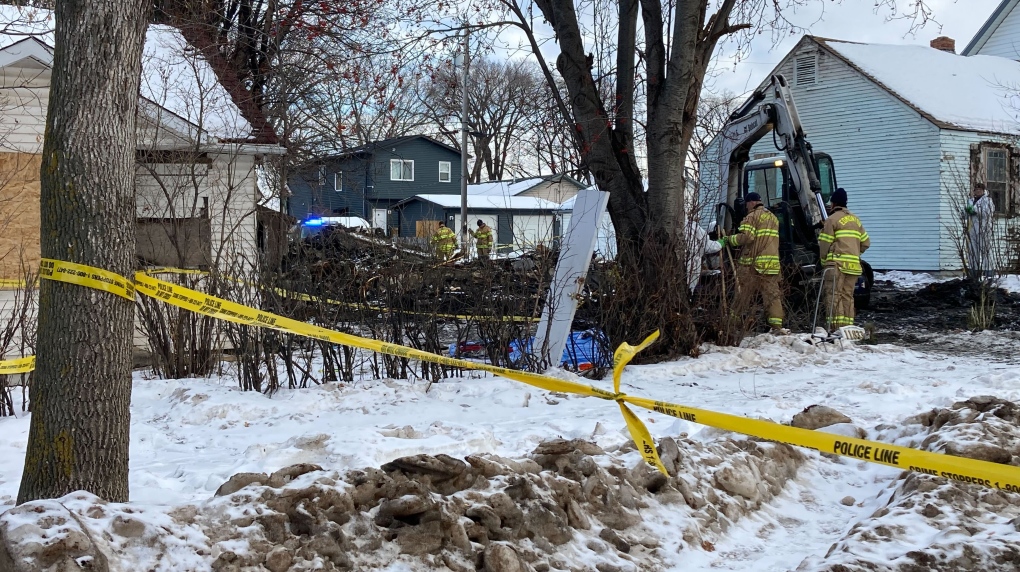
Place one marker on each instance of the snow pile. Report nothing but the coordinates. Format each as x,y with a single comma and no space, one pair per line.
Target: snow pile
932,523
910,280
568,507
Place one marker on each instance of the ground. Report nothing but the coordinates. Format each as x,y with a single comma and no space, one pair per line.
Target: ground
190,436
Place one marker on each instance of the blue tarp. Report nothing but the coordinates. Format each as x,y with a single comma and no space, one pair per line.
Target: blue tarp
582,351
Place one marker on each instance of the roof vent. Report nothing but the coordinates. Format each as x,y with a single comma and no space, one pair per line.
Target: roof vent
806,69
944,43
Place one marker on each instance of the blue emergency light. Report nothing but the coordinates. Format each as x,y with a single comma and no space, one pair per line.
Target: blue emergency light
313,222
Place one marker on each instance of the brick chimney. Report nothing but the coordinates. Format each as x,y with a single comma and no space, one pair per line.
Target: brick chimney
944,43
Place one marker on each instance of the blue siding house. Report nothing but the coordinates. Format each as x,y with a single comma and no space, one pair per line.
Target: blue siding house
1000,34
910,129
368,180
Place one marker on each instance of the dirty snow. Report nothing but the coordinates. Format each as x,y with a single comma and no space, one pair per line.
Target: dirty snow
190,436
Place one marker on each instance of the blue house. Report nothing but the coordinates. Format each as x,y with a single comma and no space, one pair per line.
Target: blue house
1000,34
367,181
910,130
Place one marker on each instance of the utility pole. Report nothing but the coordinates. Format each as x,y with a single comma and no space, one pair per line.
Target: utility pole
463,151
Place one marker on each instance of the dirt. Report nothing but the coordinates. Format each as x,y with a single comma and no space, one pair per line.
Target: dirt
935,317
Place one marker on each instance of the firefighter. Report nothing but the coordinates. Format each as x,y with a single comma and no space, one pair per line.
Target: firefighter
444,240
840,245
483,240
758,274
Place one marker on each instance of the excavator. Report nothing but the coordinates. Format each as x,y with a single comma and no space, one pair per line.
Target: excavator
795,185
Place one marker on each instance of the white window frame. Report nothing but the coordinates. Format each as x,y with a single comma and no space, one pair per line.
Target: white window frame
402,164
338,181
449,171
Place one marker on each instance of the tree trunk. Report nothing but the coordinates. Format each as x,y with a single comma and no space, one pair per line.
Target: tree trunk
79,434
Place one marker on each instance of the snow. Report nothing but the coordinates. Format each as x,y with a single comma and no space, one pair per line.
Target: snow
917,280
910,280
976,93
175,78
491,202
189,436
503,188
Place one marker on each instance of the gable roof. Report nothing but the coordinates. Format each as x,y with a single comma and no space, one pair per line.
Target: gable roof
370,148
503,188
516,187
180,82
989,27
976,93
486,202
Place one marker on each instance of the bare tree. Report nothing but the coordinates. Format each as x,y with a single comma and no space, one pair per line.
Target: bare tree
504,102
655,79
81,395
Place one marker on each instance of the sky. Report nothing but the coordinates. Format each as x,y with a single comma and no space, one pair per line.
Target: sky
852,20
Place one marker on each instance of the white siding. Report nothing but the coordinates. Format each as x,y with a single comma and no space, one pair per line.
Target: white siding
23,100
886,156
956,187
227,185
1004,40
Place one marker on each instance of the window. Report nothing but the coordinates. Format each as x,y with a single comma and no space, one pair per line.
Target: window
322,176
996,162
338,181
444,171
805,69
401,170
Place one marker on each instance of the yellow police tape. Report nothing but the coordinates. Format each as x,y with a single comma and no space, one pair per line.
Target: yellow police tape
15,366
960,469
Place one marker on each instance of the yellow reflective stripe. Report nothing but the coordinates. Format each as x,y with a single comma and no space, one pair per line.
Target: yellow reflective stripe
766,232
775,321
848,234
864,236
746,228
826,237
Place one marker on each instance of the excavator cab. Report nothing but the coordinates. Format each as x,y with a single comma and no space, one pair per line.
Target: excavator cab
770,178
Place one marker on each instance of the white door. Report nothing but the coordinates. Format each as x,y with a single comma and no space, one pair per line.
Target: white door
491,220
532,230
379,218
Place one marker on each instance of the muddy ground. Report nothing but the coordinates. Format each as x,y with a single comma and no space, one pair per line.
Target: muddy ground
935,317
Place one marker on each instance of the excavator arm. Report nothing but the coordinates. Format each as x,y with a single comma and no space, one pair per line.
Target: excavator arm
771,109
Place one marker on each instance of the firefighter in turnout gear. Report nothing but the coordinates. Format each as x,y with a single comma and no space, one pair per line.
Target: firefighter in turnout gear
444,240
758,274
840,245
483,240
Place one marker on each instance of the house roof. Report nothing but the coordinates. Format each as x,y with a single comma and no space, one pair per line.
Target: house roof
976,93
513,188
174,76
503,188
369,148
989,27
487,202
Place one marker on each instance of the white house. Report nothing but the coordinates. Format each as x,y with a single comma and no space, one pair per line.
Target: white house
910,129
196,176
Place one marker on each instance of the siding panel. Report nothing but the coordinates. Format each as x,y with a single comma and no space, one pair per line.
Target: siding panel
1005,40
